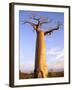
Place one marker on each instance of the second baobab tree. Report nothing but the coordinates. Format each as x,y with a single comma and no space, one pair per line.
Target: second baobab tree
41,67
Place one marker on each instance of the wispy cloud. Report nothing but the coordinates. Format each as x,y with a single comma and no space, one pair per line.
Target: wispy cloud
60,55
57,53
55,58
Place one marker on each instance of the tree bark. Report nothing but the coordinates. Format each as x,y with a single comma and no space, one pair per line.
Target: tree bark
41,70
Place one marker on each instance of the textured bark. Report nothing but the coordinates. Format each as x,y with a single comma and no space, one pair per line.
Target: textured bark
41,69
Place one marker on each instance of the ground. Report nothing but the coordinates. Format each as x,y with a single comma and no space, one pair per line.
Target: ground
50,74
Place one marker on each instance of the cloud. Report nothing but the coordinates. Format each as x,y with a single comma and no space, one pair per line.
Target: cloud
56,52
53,51
60,55
55,58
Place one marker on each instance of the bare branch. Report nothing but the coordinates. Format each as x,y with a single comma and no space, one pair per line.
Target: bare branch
31,23
36,22
41,20
53,29
45,21
34,18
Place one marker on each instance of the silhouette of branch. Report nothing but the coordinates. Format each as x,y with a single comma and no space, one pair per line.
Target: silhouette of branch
40,20
53,29
44,22
31,23
34,18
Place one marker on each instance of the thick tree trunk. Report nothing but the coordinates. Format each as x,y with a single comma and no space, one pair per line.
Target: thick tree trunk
41,69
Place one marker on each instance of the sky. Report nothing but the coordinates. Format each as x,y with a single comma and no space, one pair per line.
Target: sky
54,42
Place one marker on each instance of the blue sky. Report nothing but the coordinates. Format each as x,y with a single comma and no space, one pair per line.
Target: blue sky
54,43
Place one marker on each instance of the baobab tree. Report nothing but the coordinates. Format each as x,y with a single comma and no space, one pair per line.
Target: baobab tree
41,67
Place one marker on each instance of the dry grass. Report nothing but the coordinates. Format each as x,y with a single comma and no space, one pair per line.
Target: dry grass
50,75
